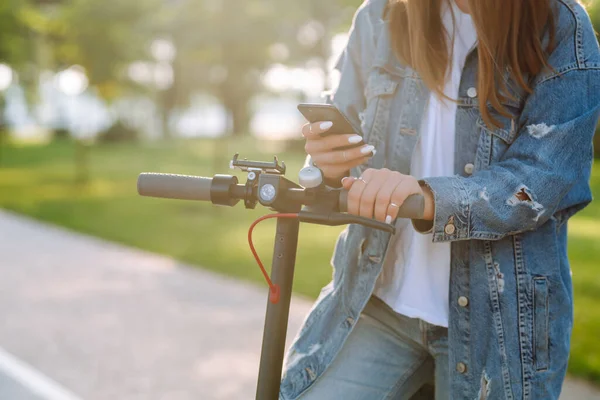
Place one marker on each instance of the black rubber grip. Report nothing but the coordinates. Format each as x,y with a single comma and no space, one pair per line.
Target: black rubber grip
413,207
169,186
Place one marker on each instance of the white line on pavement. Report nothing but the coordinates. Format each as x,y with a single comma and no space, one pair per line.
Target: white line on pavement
32,379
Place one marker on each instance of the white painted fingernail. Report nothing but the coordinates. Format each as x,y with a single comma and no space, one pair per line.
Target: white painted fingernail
326,125
388,219
374,152
367,149
355,139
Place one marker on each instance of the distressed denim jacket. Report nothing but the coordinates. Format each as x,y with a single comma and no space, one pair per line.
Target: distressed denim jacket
504,211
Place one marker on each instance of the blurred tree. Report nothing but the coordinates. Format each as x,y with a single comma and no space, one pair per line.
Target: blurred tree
224,46
101,36
13,52
318,23
13,34
104,37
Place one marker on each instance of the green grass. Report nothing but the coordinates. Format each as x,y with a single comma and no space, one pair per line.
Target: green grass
40,181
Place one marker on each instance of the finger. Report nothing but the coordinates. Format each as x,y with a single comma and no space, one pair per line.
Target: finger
313,130
330,143
369,194
339,170
407,187
355,192
343,156
384,197
348,181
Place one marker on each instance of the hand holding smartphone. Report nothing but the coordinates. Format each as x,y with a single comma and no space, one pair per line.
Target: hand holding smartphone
331,141
326,112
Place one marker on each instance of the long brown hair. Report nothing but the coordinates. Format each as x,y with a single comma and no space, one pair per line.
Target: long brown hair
510,38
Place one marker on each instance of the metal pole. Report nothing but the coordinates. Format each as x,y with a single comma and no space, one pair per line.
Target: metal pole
276,320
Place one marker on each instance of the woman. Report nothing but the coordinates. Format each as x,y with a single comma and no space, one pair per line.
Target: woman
487,108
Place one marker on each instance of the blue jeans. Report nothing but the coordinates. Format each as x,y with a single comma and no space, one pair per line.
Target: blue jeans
387,356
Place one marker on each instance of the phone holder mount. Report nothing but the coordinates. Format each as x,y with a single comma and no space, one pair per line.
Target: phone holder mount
270,171
274,167
315,202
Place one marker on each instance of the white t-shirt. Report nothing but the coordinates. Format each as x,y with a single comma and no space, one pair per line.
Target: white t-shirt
416,275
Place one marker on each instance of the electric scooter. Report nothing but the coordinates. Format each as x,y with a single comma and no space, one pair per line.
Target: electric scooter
311,202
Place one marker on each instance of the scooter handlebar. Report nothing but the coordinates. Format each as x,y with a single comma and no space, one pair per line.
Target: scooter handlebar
170,186
413,207
184,187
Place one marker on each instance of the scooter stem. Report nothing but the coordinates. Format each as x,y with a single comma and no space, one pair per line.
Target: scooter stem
276,320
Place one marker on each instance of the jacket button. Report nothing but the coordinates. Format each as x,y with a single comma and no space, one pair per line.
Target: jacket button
450,229
463,301
469,168
472,92
461,368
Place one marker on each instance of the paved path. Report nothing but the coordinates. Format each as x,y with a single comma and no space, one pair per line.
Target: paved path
96,320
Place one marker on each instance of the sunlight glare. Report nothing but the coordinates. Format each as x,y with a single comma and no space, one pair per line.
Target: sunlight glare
163,75
72,81
163,50
310,33
6,77
277,78
140,72
279,52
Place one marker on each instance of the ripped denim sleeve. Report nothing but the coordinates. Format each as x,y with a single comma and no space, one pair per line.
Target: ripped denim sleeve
550,158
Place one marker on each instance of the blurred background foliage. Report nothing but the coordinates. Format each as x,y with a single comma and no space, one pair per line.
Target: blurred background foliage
93,92
162,58
168,51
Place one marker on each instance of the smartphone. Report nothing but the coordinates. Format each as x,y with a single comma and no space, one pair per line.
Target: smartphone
327,112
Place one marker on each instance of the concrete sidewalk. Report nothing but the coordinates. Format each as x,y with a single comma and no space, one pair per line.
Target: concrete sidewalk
110,322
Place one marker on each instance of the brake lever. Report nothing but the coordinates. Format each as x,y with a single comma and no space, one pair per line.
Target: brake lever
371,223
338,219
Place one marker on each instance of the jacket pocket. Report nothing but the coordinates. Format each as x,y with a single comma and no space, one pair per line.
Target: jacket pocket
540,324
379,92
507,131
495,141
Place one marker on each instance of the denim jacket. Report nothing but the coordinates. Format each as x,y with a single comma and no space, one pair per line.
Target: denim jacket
504,211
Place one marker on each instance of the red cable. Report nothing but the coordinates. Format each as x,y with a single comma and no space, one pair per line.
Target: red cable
274,297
